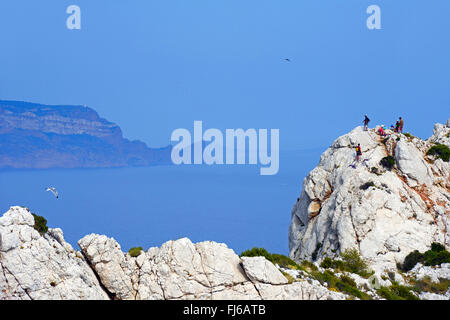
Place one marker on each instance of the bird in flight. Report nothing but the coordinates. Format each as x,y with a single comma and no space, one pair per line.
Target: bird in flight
288,60
53,190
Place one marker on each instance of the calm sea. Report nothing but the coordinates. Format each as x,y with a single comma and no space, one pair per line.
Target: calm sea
149,206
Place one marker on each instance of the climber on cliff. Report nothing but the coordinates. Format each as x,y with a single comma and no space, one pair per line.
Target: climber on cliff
382,130
358,152
366,122
400,124
358,156
397,126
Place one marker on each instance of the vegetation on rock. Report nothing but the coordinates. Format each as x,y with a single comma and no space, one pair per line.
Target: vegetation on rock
135,251
275,258
397,292
343,284
351,262
435,256
427,285
388,162
440,151
40,224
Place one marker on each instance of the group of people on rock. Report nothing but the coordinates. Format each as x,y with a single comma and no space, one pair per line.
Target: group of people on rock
381,131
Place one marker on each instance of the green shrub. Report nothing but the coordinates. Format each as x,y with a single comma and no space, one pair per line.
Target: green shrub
388,162
275,258
397,292
135,251
351,262
426,285
40,224
257,252
409,135
435,256
411,260
328,263
354,263
325,277
308,266
347,280
289,278
437,247
284,261
387,294
343,284
403,291
441,151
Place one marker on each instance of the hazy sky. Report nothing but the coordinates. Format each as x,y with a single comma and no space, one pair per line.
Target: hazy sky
156,65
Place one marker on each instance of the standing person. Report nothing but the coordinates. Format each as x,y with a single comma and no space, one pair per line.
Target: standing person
366,122
358,152
400,124
397,126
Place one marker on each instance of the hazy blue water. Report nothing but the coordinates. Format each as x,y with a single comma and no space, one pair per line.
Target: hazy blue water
148,206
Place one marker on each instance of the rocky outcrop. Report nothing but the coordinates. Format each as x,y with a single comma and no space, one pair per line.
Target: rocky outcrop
42,136
259,269
420,272
41,267
384,214
46,267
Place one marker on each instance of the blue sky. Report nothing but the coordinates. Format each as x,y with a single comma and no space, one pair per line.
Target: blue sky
153,66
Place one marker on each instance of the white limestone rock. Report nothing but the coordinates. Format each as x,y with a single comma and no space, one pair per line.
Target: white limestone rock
110,264
177,270
434,296
411,162
35,267
440,134
420,271
383,214
260,269
301,290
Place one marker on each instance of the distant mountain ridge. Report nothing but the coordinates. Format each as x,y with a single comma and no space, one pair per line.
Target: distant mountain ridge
35,135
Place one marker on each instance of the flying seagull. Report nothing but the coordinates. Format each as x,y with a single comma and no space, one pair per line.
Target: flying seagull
287,60
53,190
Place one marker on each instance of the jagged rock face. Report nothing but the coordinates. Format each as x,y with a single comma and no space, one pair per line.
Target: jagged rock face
183,270
36,267
261,270
385,214
46,267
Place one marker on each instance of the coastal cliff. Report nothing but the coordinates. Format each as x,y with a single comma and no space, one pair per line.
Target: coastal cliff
395,200
42,136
